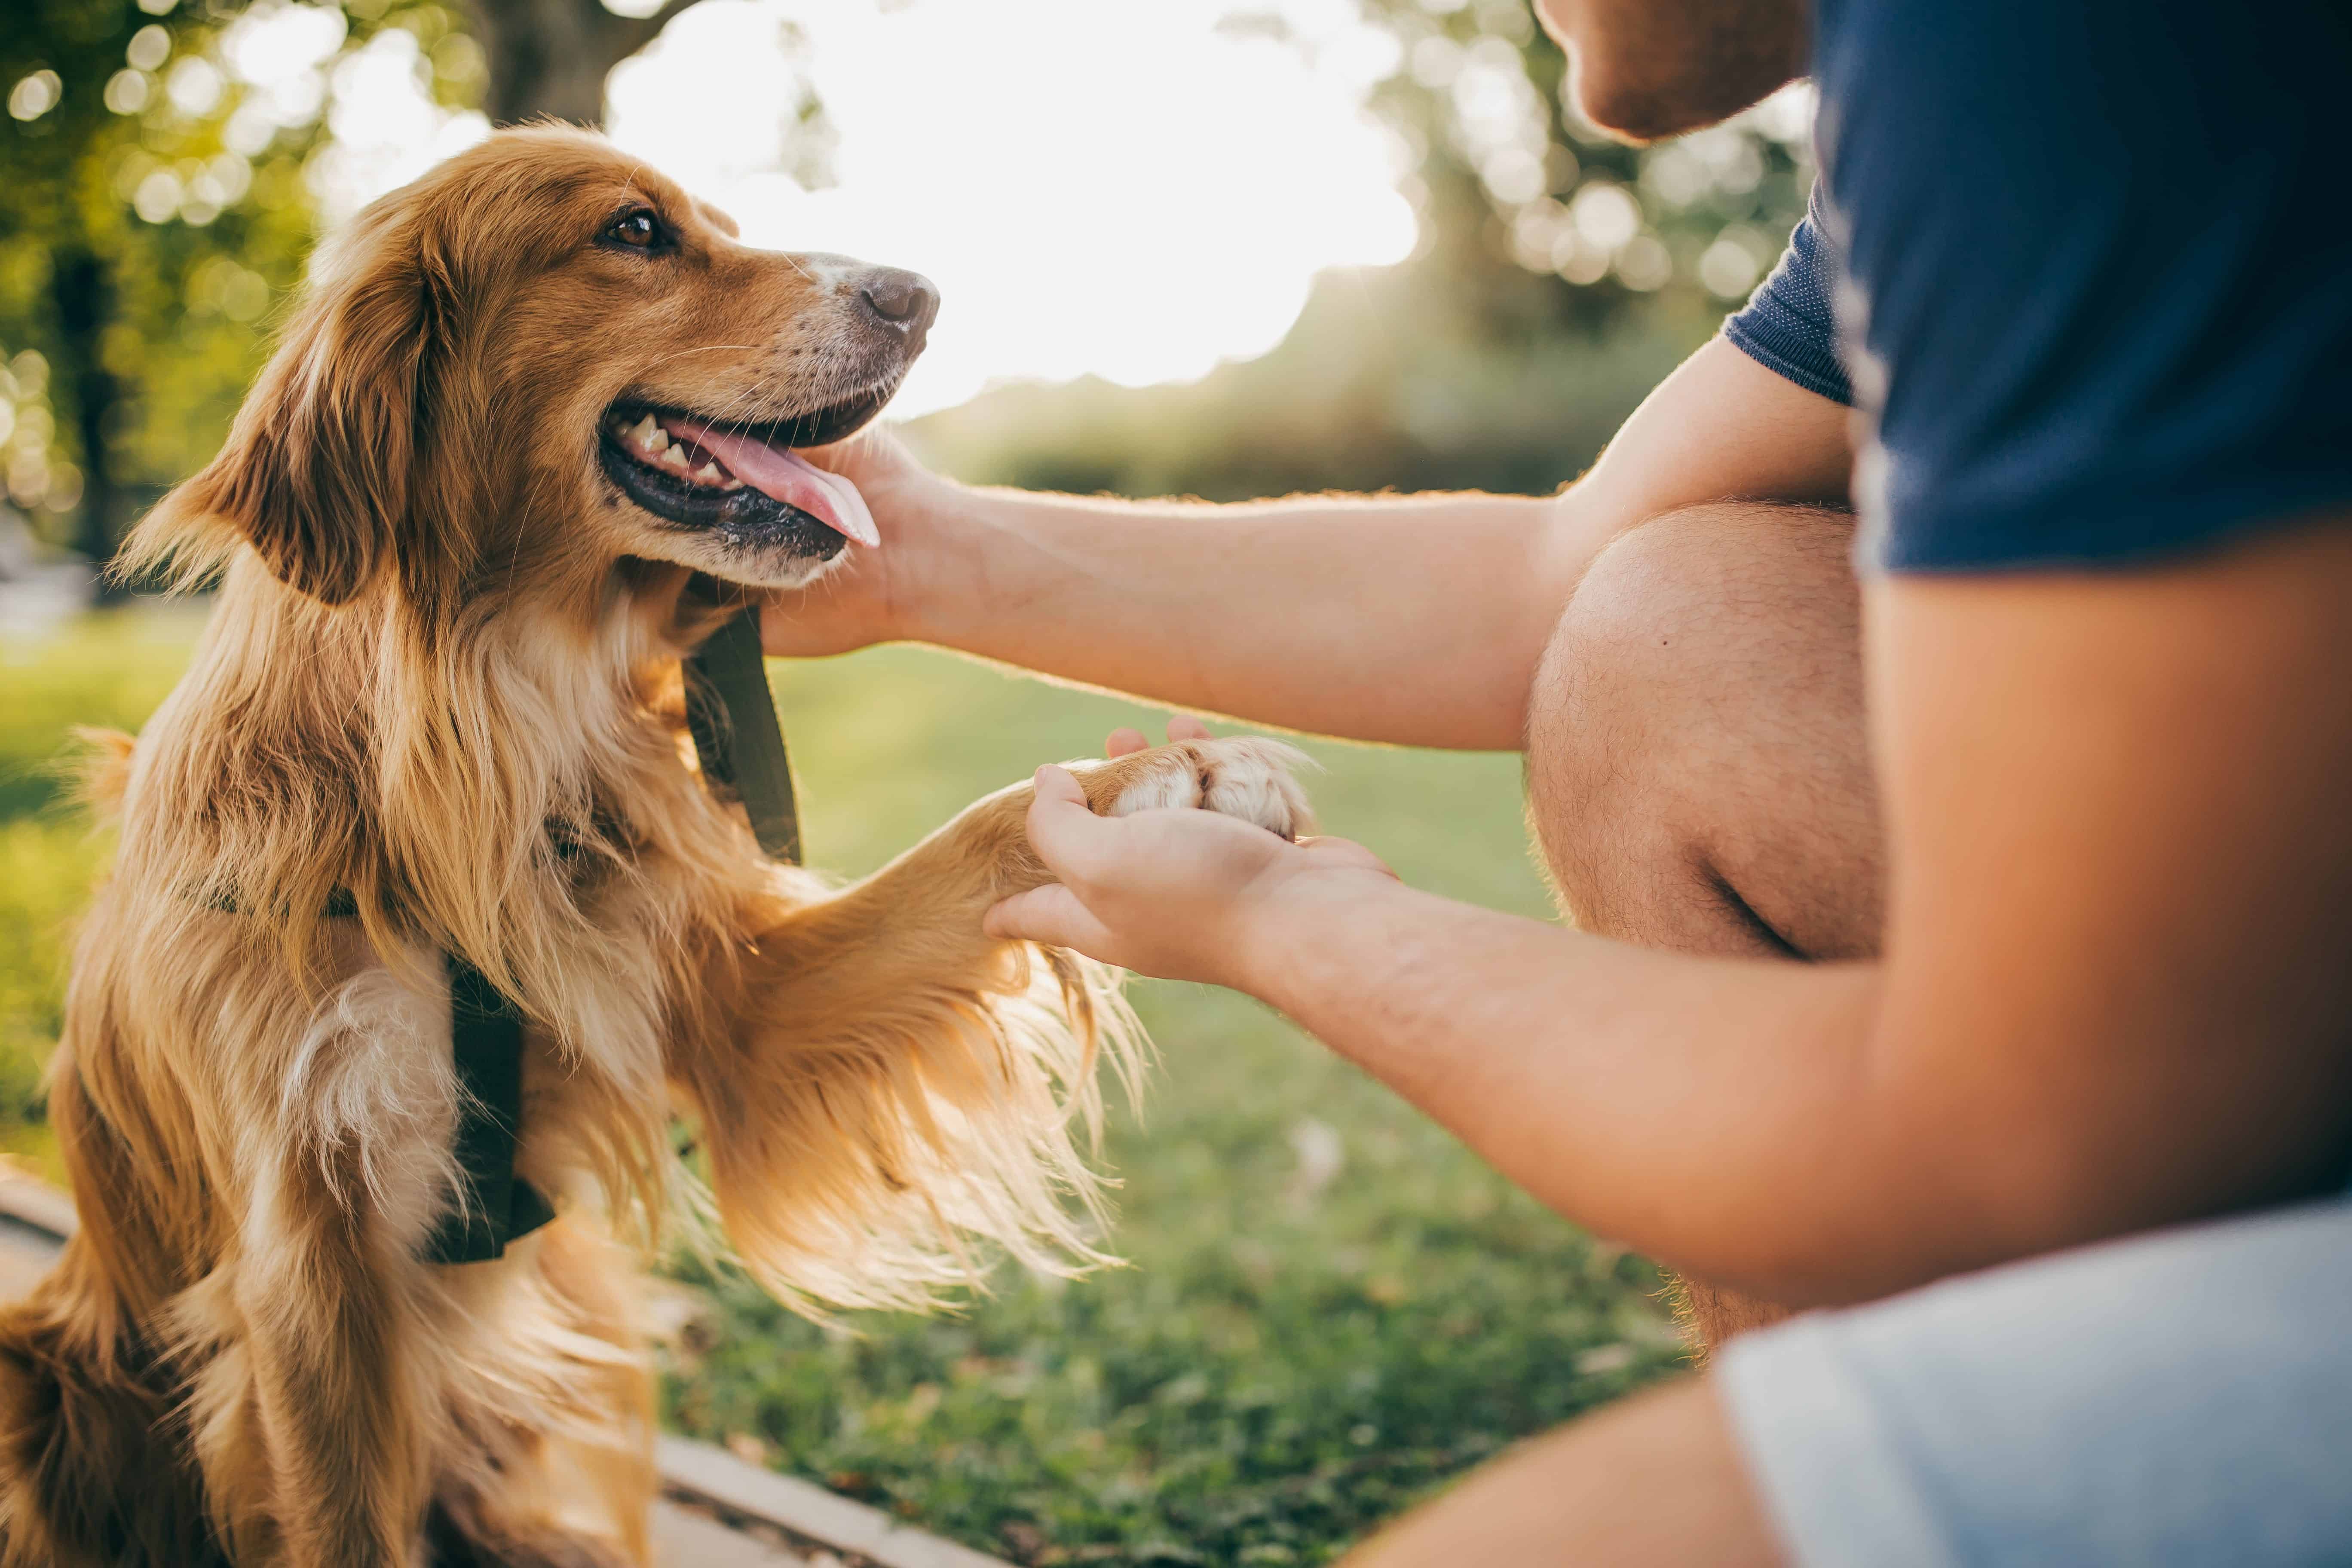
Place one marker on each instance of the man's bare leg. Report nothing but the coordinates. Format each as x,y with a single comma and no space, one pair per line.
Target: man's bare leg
1657,1478
1698,770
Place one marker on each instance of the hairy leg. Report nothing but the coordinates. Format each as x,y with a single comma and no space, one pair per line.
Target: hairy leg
1698,770
1655,1480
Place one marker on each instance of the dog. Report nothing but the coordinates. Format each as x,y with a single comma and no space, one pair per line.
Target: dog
526,440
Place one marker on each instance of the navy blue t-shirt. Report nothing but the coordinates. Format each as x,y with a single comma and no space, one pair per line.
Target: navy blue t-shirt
2086,265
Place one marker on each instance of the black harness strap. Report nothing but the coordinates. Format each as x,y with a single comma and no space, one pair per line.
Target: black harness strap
495,1205
485,1043
737,737
741,749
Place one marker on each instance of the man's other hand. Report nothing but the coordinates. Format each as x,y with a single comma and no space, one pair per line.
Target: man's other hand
864,598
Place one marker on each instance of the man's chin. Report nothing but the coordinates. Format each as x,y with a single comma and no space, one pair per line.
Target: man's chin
1639,111
1643,70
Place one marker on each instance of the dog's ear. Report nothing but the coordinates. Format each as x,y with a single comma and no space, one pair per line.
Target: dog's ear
320,470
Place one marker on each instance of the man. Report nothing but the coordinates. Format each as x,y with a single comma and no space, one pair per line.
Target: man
2054,799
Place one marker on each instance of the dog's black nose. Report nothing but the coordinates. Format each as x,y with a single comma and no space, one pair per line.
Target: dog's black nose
903,302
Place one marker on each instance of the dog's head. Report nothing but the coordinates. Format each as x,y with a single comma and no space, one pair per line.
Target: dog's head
543,358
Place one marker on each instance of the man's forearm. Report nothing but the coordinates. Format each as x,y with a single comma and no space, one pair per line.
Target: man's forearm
1417,620
1712,1112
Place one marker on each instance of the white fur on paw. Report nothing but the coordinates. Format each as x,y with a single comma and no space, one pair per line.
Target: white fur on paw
1243,775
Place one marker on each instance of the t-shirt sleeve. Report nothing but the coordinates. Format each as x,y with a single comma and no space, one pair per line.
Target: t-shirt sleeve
2100,269
1788,325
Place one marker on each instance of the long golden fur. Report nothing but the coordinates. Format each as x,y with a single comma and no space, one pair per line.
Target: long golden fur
443,674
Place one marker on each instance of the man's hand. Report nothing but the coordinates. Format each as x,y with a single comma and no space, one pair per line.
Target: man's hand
863,599
1173,893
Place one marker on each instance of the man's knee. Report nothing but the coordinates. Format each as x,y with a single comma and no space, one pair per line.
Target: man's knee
1642,625
1621,661
1701,651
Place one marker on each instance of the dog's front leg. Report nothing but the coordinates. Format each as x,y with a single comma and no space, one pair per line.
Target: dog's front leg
315,1412
341,1477
883,1078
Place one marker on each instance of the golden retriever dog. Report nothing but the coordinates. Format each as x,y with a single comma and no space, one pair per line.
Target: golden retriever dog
526,440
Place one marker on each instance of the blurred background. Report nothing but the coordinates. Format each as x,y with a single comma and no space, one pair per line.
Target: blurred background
1212,248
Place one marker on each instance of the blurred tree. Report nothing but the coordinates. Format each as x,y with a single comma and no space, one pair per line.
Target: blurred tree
54,266
163,172
166,161
1514,177
150,229
551,56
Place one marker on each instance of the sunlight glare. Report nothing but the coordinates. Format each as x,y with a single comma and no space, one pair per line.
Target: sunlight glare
1112,187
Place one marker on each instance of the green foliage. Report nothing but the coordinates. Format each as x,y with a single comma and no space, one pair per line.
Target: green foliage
110,671
107,290
161,213
45,871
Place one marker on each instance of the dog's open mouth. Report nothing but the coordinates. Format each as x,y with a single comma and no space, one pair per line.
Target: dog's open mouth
744,481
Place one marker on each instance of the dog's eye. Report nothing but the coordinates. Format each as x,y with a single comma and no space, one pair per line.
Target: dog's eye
639,230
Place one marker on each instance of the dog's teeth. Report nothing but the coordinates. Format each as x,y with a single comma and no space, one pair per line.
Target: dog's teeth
732,485
674,458
649,436
709,474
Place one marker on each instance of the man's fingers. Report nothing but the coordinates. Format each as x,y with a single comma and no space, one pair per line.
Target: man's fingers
1051,914
1063,828
1181,727
1058,784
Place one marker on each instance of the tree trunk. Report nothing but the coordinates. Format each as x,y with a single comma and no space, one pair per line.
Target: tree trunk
549,58
83,295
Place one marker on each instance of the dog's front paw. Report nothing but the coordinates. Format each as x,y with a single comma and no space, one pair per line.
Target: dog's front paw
1244,776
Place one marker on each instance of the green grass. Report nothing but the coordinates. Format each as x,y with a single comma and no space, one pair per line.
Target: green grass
1295,1350
108,671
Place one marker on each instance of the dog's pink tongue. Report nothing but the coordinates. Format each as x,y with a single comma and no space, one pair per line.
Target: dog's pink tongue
787,477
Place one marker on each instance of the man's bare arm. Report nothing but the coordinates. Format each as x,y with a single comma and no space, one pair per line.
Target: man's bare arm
1411,619
2114,992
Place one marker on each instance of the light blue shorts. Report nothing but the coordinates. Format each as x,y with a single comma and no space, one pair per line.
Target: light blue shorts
2177,1400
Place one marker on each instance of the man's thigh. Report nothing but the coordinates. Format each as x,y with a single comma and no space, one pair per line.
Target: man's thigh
1698,772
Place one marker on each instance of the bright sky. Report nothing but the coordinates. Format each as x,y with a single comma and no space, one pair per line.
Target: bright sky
1119,187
